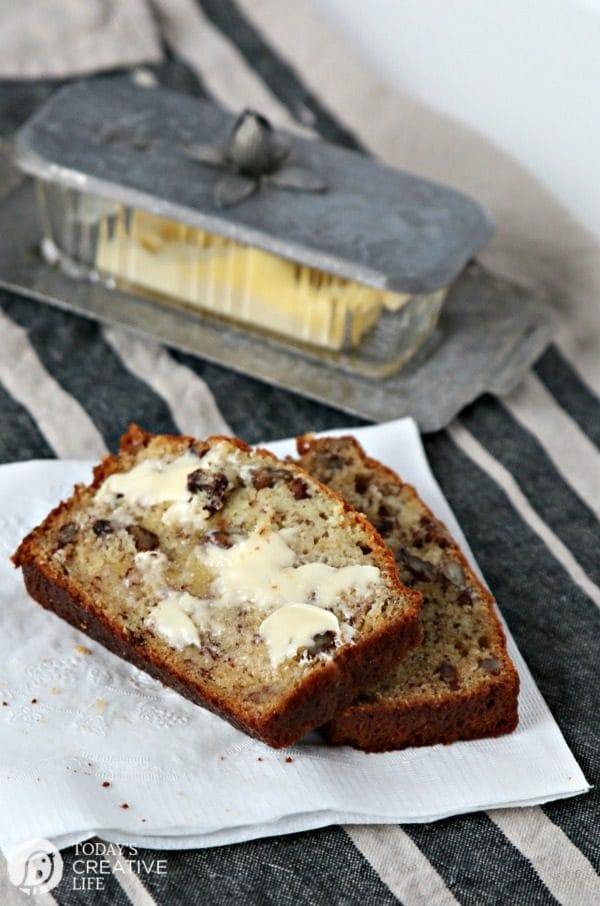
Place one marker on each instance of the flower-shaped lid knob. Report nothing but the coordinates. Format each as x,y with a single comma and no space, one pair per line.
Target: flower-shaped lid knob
253,156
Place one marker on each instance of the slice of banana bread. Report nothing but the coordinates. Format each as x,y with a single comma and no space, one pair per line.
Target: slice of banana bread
236,579
460,684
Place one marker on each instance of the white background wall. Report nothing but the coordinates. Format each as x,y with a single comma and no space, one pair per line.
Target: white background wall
525,73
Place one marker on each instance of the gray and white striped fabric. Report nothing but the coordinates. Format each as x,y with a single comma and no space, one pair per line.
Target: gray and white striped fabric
522,474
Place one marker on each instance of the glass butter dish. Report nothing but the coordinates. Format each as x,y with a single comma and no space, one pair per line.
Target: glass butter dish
311,246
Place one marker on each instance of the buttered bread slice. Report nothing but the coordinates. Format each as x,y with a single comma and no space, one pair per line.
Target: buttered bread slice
237,579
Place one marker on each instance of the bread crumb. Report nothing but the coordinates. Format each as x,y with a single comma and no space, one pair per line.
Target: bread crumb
124,805
55,690
105,783
83,649
100,705
34,701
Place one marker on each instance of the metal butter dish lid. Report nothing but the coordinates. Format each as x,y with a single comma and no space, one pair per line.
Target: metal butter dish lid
310,244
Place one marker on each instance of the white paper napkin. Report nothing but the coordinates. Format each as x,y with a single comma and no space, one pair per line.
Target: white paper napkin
83,734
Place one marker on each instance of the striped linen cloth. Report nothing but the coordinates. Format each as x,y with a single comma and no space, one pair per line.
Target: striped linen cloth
522,473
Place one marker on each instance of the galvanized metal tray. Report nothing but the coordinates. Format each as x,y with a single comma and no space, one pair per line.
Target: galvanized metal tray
490,332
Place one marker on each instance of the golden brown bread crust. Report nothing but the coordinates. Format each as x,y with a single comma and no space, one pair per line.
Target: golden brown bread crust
397,718
377,727
325,690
